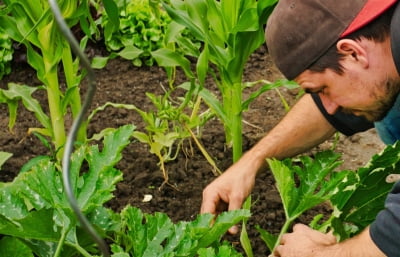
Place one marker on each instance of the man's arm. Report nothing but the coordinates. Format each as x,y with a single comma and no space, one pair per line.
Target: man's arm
301,129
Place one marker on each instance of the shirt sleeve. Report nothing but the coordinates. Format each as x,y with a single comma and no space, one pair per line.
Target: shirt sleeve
346,123
385,230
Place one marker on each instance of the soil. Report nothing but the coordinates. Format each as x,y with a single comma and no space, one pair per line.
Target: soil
189,173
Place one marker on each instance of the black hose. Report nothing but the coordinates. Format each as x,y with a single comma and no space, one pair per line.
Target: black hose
75,126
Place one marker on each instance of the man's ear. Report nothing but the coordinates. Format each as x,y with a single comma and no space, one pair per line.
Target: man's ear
353,50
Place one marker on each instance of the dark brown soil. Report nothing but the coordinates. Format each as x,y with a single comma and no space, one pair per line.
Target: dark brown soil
121,82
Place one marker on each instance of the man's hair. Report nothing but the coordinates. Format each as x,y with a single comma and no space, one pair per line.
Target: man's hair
378,30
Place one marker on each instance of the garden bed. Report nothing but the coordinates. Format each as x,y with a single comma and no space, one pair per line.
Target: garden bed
189,173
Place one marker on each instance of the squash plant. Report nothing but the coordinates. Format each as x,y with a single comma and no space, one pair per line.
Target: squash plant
30,22
356,197
36,219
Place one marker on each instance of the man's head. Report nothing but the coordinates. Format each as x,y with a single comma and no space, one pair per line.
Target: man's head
299,32
339,49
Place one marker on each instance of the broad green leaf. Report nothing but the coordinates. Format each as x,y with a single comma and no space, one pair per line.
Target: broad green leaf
100,180
13,247
130,52
36,225
223,222
156,235
360,203
99,62
34,206
11,205
169,58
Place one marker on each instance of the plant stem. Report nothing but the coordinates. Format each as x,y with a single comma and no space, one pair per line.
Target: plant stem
72,84
210,160
80,249
56,115
284,229
236,119
60,244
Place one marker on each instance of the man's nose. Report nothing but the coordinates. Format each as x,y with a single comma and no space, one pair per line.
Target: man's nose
330,106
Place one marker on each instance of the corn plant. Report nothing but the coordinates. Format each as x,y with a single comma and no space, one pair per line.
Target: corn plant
30,22
230,32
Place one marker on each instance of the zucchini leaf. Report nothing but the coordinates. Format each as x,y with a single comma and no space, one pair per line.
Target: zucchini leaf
156,235
34,206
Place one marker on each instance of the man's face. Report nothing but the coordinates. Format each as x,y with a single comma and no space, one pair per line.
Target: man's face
351,93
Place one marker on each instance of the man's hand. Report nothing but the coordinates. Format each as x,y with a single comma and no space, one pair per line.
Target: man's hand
230,190
306,242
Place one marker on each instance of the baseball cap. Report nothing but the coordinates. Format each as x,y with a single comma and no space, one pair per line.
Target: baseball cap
299,32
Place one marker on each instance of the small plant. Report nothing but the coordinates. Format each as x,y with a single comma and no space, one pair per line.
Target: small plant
167,126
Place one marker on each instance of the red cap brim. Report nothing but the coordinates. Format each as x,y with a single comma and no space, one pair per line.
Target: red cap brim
371,10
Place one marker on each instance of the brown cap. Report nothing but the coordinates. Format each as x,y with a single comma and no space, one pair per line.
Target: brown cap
299,32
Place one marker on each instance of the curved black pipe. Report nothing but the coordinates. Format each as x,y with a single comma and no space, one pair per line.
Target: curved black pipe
75,127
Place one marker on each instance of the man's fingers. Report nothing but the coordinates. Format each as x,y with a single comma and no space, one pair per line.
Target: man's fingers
300,227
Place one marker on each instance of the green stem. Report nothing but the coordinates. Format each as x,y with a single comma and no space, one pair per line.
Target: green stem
72,81
60,244
236,119
284,229
56,114
80,249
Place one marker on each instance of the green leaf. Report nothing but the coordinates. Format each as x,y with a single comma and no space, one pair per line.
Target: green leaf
112,13
4,156
24,93
36,225
168,58
130,52
13,247
359,204
155,235
34,206
268,238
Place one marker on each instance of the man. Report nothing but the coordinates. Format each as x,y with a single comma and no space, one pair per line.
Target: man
346,54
